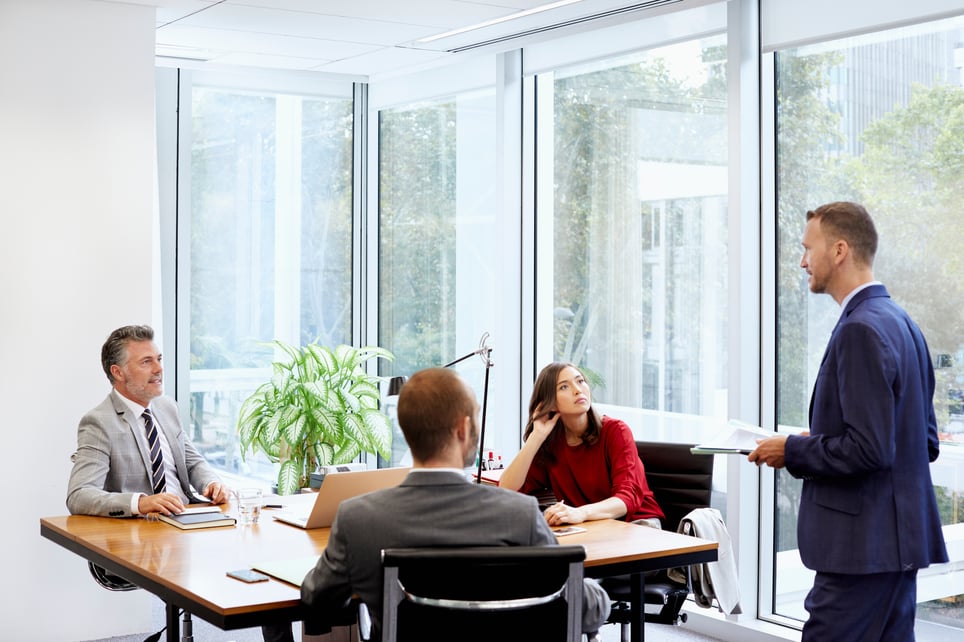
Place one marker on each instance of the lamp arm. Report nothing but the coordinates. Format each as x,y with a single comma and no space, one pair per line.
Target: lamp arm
461,359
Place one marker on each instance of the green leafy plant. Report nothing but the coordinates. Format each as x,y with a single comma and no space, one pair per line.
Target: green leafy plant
321,407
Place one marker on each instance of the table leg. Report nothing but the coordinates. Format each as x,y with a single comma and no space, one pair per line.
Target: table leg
173,622
637,607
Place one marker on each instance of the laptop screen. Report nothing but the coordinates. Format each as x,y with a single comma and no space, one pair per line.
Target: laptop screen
338,487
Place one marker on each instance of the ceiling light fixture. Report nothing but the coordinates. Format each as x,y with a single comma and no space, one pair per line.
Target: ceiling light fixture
489,23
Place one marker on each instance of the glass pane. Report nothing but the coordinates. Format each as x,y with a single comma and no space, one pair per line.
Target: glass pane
877,119
436,216
270,247
639,220
417,218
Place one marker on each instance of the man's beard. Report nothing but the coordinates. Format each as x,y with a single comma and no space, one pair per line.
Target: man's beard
470,455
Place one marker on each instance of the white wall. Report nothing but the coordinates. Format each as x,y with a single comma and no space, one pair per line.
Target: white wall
76,211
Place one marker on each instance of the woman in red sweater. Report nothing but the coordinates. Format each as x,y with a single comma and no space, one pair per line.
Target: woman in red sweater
589,461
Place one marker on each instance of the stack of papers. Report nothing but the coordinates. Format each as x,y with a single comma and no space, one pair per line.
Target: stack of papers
738,439
490,477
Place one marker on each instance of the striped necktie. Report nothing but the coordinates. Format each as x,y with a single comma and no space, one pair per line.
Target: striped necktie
157,461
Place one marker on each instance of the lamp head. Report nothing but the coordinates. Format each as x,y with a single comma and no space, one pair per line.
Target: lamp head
395,385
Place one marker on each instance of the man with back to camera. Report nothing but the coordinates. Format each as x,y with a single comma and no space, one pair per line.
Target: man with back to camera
437,413
868,513
119,441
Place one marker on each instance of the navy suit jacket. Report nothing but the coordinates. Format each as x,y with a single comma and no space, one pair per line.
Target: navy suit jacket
868,503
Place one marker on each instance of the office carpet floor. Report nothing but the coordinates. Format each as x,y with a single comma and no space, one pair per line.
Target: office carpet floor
204,632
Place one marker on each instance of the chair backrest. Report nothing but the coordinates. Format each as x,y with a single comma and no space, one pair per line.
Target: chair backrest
680,480
482,593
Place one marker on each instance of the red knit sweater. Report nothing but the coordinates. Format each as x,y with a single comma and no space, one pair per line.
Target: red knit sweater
587,474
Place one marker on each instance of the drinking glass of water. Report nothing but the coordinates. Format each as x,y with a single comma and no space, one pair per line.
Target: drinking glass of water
249,505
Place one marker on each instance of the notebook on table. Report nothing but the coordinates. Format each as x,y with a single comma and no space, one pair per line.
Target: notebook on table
338,487
291,570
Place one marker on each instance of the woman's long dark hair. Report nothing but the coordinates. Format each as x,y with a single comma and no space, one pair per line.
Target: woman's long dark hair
544,398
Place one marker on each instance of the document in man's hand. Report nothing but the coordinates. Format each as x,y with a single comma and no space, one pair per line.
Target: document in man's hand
190,521
739,438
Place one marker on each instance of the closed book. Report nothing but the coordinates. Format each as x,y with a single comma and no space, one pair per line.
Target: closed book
188,521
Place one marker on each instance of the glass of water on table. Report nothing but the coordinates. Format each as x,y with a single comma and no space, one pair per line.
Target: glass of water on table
249,505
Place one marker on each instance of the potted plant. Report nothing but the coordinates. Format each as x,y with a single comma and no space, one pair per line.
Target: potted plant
321,407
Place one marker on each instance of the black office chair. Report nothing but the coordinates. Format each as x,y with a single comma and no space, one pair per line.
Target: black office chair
108,580
480,594
114,582
681,482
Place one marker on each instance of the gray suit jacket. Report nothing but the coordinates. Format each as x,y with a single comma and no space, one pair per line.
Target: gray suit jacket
439,508
112,461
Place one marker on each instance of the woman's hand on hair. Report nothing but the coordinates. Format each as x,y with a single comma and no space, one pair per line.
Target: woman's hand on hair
543,421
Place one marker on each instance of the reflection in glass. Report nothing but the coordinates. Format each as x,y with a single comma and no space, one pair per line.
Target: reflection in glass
638,204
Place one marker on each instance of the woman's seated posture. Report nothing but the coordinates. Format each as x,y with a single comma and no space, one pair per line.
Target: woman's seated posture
587,460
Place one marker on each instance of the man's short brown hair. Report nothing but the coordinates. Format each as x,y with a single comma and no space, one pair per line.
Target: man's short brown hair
843,220
431,403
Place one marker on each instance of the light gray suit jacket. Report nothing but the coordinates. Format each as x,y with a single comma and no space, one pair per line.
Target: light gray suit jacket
438,508
112,461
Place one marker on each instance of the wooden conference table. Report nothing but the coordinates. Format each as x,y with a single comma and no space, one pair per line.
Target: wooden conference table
186,569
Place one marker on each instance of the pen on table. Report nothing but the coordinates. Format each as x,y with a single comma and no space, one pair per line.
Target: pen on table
273,506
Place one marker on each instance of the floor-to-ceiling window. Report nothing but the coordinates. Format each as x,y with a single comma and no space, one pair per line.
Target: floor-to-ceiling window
446,271
876,118
265,231
639,235
632,222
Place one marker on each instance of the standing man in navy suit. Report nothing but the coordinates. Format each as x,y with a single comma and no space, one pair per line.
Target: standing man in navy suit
868,514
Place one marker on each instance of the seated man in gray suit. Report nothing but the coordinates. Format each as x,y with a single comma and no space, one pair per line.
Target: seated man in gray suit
436,505
132,456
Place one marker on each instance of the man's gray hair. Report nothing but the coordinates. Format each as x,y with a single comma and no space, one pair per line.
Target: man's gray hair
115,348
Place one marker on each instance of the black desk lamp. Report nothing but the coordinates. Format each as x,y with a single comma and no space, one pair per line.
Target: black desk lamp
484,351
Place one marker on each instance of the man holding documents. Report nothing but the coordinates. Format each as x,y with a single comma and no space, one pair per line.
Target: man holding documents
132,457
868,514
436,505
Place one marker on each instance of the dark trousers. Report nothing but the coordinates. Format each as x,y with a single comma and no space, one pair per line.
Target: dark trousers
879,607
277,633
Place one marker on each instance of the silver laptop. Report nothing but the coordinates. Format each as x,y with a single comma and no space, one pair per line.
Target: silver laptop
338,487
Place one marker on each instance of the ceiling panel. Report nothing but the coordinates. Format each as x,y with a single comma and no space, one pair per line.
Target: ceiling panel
358,37
442,14
387,60
260,43
306,25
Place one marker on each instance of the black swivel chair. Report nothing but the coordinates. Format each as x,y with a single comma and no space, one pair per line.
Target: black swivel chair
480,594
681,482
114,582
108,580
